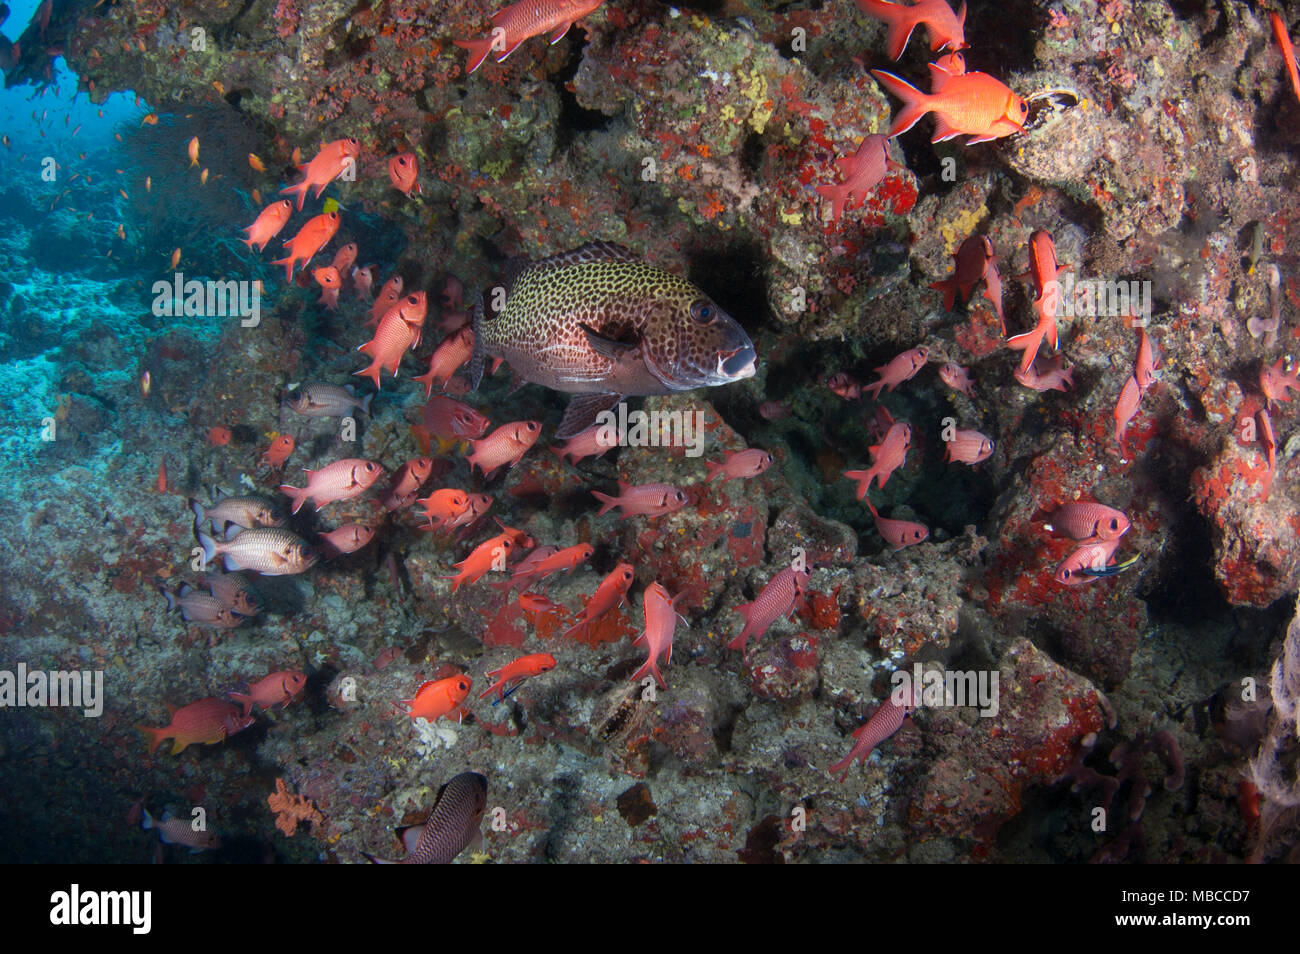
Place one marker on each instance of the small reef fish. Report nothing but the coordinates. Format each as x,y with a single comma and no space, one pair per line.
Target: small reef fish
445,505
1283,39
1044,270
884,722
777,599
438,698
205,722
278,451
389,295
341,480
898,533
1087,520
973,104
600,323
268,224
449,419
328,165
1046,374
584,444
192,150
608,597
1275,382
363,279
327,400
249,511
276,689
180,831
255,163
900,369
974,262
647,500
525,667
344,258
452,825
739,465
1144,365
493,553
404,171
945,29
1126,408
408,480
398,332
233,591
219,436
503,447
204,608
968,447
844,386
315,234
1269,441
479,504
886,457
271,551
346,539
1091,557
521,21
526,570
957,378
452,352
859,174
331,283
660,624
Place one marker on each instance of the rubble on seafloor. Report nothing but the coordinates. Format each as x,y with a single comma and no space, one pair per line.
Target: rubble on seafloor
695,138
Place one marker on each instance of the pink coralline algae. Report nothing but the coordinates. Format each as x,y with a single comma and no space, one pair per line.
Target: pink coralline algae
286,18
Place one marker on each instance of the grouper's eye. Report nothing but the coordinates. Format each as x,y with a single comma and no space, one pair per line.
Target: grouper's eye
703,312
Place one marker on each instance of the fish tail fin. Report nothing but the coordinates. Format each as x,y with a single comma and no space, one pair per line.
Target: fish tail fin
915,103
299,190
364,403
874,388
651,668
170,597
714,469
479,352
898,22
478,52
208,544
838,195
297,494
156,737
288,266
372,372
245,700
949,288
608,503
841,768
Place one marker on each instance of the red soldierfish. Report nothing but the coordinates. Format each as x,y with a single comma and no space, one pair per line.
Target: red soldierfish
957,378
311,238
1045,272
388,296
902,368
649,500
268,224
1270,449
331,283
520,21
330,163
344,258
348,538
609,596
492,554
973,104
593,442
739,464
1089,556
886,457
777,599
660,624
844,386
438,698
525,571
443,506
1126,408
1087,520
408,480
398,332
525,667
1046,374
447,359
1275,382
277,689
859,173
341,480
404,171
898,533
1144,366
449,419
1288,51
884,722
974,262
945,28
205,722
504,446
968,447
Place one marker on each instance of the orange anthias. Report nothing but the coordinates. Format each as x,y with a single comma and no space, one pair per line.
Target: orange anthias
205,722
523,20
972,104
328,165
311,238
438,698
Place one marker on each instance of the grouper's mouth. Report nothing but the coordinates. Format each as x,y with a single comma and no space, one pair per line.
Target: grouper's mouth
738,364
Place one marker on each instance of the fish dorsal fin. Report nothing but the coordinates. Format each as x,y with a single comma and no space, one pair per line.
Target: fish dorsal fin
583,411
587,254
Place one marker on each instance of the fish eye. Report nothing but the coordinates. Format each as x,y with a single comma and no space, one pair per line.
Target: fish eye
702,312
1024,107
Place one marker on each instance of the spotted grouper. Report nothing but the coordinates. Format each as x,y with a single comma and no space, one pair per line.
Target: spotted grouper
599,323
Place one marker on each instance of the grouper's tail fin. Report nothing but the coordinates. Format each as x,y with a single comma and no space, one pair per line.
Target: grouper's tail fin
479,353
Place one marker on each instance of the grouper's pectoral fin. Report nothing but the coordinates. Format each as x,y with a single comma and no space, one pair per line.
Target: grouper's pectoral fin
583,411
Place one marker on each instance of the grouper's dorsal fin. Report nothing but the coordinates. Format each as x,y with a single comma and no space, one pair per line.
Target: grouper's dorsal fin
583,411
586,254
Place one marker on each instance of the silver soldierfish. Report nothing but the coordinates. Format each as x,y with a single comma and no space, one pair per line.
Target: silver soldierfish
600,323
271,551
326,400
